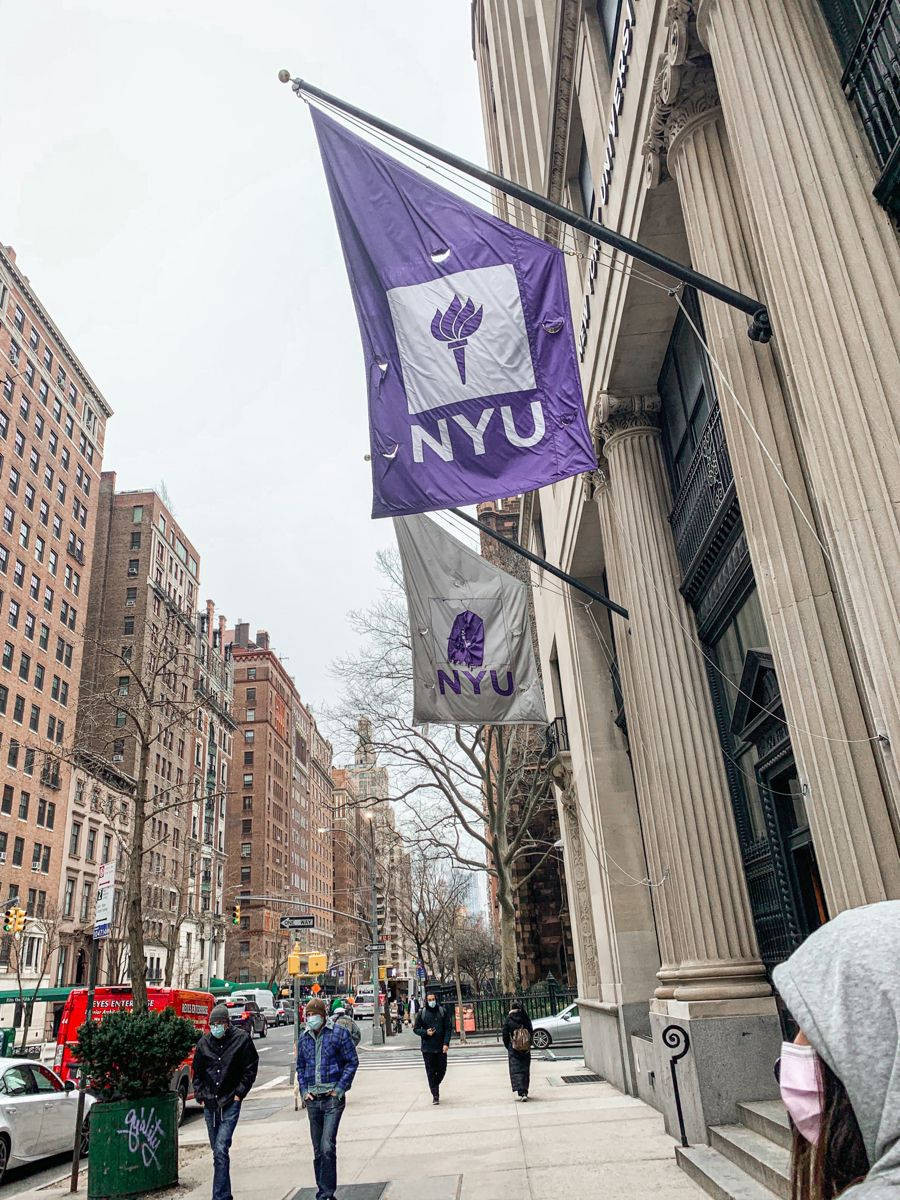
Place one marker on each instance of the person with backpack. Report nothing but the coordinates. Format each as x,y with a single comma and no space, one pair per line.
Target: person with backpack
517,1032
340,1016
435,1027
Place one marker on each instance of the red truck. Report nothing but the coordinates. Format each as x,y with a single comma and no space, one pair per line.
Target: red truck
193,1006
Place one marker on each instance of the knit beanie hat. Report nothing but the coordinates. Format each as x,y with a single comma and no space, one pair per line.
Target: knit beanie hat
315,1006
220,1015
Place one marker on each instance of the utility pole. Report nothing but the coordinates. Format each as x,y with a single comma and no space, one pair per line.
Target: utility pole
459,1003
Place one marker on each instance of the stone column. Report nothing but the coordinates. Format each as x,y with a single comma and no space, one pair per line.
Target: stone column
719,994
718,958
848,809
829,265
577,881
643,749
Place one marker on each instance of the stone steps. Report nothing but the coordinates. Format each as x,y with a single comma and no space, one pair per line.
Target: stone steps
750,1160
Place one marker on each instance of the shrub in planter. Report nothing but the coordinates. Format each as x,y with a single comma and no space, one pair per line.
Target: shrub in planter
127,1060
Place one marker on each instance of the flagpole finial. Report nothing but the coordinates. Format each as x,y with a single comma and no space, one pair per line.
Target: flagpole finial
284,75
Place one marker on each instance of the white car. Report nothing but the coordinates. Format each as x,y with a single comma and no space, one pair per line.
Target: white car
37,1113
560,1030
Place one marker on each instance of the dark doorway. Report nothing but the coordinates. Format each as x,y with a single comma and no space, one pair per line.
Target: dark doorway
783,878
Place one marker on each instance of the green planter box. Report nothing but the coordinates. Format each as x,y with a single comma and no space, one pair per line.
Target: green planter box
133,1147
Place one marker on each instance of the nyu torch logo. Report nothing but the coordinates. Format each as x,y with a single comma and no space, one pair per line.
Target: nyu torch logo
455,326
465,648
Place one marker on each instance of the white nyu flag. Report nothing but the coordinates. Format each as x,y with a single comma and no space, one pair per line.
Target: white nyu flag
473,662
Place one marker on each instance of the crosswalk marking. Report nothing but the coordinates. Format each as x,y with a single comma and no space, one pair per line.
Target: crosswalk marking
271,1083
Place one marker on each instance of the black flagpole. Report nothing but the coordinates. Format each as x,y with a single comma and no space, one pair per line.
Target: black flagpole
542,562
760,330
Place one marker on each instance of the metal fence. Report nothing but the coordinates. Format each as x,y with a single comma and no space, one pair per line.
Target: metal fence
490,1011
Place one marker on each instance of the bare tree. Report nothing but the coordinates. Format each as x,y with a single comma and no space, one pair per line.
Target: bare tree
476,951
30,954
472,794
428,916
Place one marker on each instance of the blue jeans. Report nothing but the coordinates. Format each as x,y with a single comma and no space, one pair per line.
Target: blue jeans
220,1123
325,1114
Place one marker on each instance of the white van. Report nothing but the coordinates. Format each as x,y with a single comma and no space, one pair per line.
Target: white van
364,1004
263,998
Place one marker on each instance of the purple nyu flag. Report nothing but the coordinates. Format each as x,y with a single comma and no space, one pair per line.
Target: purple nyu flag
474,389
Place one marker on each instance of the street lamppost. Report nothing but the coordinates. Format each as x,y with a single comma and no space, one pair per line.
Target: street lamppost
369,852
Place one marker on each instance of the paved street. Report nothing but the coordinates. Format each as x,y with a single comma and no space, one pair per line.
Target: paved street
585,1139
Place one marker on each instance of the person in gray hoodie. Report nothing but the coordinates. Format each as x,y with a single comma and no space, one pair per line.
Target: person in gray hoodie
840,1078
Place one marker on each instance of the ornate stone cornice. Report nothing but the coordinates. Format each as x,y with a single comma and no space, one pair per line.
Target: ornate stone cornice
684,89
561,110
623,414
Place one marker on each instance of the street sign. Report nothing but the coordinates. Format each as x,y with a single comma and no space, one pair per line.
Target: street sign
420,973
376,946
297,923
340,972
103,909
315,989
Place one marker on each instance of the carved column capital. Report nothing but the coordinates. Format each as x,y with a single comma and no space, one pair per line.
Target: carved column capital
626,414
680,71
698,102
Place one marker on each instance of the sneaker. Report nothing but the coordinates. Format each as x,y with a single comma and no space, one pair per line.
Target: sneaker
435,1099
525,1098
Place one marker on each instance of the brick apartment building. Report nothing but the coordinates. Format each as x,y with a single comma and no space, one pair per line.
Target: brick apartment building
141,625
280,798
52,426
543,928
350,846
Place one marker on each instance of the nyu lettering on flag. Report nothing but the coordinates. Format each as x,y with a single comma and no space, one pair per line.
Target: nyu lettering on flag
473,661
474,389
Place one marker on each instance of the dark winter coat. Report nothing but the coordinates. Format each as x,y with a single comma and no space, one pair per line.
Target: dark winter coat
519,1061
438,1019
224,1067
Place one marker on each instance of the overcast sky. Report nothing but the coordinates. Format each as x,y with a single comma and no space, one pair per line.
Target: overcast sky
165,197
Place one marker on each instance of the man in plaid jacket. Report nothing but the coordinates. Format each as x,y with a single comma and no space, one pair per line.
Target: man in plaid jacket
326,1064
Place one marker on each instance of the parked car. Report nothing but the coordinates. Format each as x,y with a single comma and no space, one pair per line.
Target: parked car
247,1015
194,1006
263,998
37,1113
563,1029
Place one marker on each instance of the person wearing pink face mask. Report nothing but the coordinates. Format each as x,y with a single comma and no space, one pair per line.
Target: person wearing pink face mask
840,1077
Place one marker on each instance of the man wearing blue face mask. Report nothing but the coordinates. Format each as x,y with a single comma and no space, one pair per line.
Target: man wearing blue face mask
326,1065
224,1068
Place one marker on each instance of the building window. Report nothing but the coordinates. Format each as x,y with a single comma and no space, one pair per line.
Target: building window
18,851
251,672
128,626
687,393
68,896
867,36
74,838
137,514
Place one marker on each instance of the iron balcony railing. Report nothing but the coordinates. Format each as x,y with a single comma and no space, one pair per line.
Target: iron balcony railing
556,738
872,81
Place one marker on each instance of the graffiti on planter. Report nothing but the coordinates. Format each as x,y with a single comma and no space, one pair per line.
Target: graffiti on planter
144,1134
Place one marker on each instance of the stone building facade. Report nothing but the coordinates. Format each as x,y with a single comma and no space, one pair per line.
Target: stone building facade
352,884
278,816
728,776
52,428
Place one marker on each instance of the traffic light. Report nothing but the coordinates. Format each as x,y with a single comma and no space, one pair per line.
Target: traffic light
317,964
293,962
20,920
236,913
9,920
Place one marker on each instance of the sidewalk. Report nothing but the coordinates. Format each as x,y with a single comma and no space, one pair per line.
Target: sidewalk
585,1140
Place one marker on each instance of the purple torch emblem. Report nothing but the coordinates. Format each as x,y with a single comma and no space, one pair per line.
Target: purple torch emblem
455,326
465,646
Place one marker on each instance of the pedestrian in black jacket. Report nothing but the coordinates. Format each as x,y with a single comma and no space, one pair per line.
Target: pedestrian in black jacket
517,1035
435,1027
225,1066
